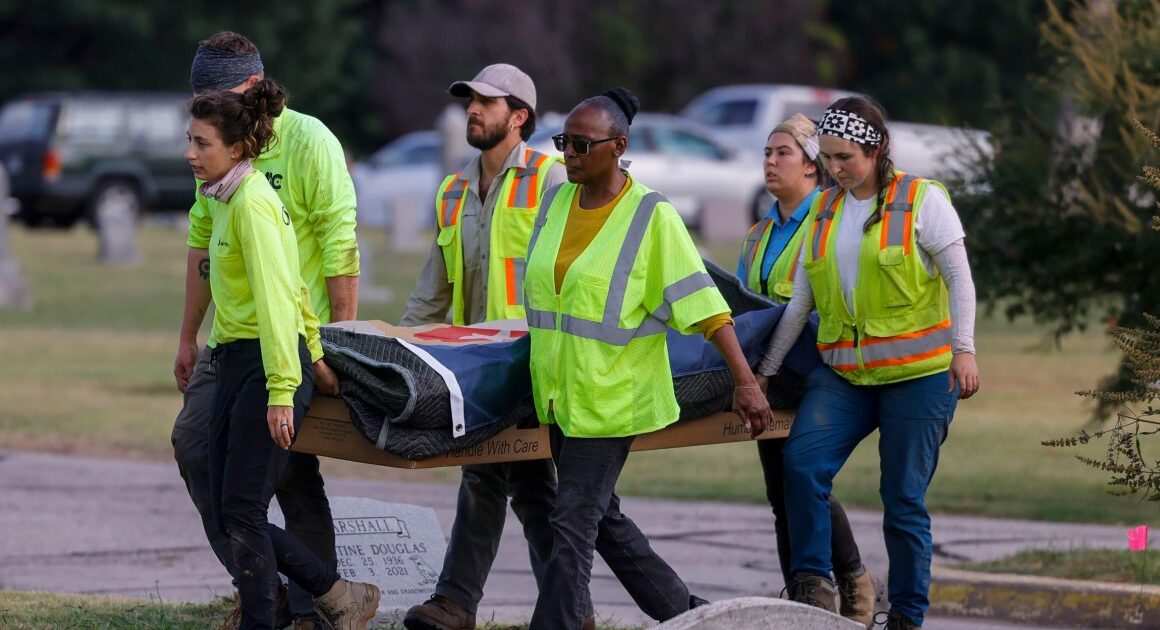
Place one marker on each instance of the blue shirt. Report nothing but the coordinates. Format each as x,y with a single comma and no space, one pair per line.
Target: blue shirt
782,233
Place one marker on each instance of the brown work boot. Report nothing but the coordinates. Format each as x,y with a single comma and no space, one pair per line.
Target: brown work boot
815,591
858,593
311,624
439,613
282,618
896,621
349,605
589,623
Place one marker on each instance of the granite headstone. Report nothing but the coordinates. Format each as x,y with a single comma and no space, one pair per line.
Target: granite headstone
396,546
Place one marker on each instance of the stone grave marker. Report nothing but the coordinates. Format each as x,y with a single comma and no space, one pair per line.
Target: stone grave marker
13,289
396,546
117,209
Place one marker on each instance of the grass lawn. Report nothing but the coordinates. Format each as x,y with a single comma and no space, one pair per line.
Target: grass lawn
1103,565
89,370
37,611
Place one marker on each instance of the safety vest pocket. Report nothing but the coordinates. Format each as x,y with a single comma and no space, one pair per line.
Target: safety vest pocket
898,288
447,240
514,232
588,297
819,274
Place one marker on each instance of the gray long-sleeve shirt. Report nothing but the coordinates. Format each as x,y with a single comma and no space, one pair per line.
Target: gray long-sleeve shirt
430,302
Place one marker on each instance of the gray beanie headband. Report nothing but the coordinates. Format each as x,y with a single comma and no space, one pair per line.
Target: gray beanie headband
214,70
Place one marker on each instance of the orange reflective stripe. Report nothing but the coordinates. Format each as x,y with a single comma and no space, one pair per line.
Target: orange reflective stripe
794,263
909,224
510,270
449,219
914,358
943,325
757,243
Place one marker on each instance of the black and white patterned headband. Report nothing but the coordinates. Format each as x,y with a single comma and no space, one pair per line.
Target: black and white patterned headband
849,126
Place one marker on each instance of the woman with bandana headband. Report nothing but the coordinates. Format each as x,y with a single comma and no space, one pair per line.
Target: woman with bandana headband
768,261
884,262
266,354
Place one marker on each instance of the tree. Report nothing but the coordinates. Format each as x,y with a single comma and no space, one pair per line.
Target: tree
1060,235
939,61
1130,470
319,50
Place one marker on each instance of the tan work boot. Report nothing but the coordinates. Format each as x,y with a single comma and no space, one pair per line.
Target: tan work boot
858,593
589,623
815,591
438,613
349,605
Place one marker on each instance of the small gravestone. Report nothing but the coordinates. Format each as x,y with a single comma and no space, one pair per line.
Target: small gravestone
370,291
407,224
397,547
724,220
13,290
454,151
117,209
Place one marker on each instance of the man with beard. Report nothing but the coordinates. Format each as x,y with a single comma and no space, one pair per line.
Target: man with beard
474,273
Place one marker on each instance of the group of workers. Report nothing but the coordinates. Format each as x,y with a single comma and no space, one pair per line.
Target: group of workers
601,266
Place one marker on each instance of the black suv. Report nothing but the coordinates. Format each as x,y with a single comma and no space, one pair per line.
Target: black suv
68,153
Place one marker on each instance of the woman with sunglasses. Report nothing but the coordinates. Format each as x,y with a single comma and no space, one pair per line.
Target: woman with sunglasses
768,261
884,260
610,269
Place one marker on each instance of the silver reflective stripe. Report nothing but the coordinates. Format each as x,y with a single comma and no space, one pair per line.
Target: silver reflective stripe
840,356
627,256
542,215
898,210
825,214
523,182
687,286
752,241
456,193
541,319
903,348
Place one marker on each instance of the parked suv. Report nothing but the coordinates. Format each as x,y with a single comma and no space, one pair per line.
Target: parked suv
69,153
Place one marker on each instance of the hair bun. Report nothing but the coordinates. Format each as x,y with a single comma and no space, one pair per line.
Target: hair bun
625,100
265,98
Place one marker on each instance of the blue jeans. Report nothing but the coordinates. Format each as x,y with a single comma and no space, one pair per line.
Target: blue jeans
912,418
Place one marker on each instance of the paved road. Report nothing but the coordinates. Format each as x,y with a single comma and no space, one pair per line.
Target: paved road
110,527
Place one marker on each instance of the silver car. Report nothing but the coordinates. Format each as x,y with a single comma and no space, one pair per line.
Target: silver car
402,174
683,160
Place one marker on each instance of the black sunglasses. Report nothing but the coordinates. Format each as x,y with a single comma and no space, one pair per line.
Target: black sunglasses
581,146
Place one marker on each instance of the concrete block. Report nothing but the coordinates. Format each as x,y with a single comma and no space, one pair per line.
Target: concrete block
758,613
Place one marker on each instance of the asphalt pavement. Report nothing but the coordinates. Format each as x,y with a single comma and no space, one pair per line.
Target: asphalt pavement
127,528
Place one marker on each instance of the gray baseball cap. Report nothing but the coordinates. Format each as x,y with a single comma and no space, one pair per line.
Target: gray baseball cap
499,79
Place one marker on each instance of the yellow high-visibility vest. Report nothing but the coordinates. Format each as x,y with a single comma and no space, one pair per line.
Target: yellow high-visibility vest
517,202
900,325
599,360
779,285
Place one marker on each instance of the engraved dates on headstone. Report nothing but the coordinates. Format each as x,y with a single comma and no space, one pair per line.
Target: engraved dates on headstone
396,546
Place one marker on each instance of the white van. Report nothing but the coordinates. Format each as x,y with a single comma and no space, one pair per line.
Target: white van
743,115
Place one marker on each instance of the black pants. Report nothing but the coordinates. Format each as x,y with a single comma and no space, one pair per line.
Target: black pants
845,551
301,492
245,466
587,519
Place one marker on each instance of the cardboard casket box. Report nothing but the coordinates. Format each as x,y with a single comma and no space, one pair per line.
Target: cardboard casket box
327,429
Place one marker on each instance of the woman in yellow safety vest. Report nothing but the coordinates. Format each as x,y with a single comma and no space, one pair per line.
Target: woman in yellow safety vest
266,353
883,260
610,268
767,264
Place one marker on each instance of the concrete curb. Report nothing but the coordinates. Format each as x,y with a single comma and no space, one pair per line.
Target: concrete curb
1040,600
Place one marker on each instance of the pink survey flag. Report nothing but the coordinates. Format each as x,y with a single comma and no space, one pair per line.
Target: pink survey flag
1138,538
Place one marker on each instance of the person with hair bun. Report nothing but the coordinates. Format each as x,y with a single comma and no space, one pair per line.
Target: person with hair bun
307,170
794,176
610,269
884,261
266,354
